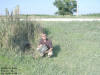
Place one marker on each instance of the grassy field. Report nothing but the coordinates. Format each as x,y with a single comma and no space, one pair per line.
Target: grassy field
76,51
61,16
23,16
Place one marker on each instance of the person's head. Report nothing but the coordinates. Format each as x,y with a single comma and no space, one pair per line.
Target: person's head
43,36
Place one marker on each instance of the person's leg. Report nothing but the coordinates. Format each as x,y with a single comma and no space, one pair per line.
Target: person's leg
50,53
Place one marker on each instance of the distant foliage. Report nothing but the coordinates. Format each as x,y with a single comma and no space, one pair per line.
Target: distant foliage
66,7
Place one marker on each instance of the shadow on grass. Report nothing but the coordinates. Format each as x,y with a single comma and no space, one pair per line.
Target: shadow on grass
56,50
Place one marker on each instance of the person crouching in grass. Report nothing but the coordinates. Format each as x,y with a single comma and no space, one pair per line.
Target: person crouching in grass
45,46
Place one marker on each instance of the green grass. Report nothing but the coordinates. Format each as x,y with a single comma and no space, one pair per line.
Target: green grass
76,51
57,16
95,14
60,16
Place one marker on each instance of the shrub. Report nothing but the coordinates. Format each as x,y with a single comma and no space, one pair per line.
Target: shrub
19,35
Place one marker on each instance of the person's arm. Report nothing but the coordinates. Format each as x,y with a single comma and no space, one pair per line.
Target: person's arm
50,50
51,46
40,43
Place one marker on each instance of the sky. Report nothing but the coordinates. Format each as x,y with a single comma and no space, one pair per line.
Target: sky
47,7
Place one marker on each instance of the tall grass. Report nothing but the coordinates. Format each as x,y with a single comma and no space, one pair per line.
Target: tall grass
17,35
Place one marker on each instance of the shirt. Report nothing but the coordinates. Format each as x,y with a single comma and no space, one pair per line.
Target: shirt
48,43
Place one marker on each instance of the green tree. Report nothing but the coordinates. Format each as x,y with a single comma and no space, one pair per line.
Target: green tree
66,7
